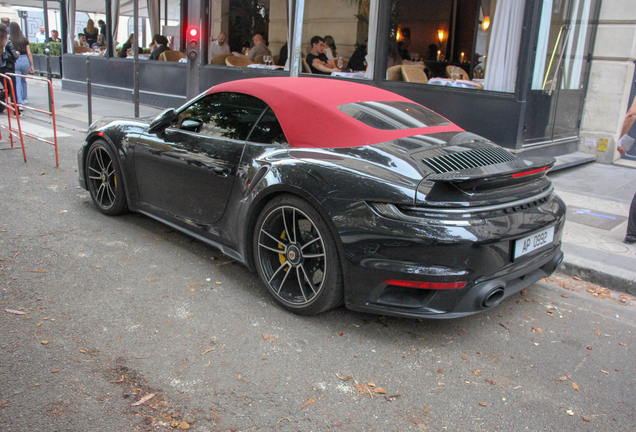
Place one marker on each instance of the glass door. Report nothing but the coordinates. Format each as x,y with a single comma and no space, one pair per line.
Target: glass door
562,60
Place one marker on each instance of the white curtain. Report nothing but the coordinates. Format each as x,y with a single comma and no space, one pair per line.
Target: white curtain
542,45
154,18
373,37
505,41
115,15
70,20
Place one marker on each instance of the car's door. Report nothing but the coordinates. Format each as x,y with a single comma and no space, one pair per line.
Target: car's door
189,170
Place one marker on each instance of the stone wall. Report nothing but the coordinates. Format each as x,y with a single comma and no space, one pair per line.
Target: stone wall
611,77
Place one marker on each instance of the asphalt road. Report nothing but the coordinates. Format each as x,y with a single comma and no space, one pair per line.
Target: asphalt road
113,310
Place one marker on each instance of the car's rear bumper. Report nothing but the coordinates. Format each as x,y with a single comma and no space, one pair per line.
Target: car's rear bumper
479,254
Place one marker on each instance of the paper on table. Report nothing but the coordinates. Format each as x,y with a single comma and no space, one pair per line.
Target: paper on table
626,142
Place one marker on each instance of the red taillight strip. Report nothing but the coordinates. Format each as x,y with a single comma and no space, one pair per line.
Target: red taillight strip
426,285
525,173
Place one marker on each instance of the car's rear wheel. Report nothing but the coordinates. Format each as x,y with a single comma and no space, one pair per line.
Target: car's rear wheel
296,256
104,179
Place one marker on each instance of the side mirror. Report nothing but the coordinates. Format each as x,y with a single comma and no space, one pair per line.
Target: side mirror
163,120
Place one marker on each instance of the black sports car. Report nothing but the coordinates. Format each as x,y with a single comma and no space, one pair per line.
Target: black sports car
336,192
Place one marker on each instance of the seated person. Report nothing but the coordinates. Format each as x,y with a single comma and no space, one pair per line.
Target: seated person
259,48
317,59
282,55
161,44
81,41
101,42
128,45
219,46
394,58
357,62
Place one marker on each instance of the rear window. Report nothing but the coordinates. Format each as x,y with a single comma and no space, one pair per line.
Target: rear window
393,115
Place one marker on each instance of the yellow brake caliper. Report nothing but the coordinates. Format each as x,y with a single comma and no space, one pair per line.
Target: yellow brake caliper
281,256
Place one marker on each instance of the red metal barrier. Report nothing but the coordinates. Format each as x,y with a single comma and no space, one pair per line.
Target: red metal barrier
23,107
11,109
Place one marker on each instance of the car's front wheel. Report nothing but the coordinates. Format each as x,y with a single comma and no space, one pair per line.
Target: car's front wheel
104,179
296,256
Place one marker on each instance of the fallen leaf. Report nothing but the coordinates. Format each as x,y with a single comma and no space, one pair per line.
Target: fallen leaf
537,330
36,271
347,378
265,336
309,402
477,372
570,412
464,357
587,419
462,329
622,344
563,379
55,370
273,340
483,404
143,399
427,410
565,296
575,386
15,312
524,292
379,390
218,282
489,381
589,347
238,377
371,384
605,372
191,289
184,425
39,324
44,342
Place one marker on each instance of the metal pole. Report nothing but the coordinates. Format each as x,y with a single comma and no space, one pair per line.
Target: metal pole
165,22
297,40
88,90
64,24
109,29
47,42
136,57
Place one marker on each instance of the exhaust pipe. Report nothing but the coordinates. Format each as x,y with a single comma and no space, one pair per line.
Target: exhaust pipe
493,297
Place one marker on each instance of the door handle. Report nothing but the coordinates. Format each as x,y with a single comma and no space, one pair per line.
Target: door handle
221,172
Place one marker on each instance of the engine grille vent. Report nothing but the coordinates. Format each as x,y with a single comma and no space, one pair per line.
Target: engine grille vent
468,159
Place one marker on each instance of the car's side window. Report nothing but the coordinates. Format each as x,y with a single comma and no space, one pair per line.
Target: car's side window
227,115
268,130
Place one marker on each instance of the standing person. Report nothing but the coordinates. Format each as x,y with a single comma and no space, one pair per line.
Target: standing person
330,48
24,63
259,47
40,37
90,32
8,57
102,27
317,59
219,46
630,118
6,21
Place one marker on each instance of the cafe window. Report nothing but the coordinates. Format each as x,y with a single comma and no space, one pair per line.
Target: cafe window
458,43
344,26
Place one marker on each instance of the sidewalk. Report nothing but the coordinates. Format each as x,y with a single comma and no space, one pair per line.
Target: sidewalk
598,196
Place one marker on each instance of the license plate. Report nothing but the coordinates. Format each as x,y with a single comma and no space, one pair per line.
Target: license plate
533,242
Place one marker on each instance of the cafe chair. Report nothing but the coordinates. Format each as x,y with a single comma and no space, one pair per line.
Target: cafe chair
170,55
238,61
219,59
394,73
259,59
82,49
306,67
413,73
457,70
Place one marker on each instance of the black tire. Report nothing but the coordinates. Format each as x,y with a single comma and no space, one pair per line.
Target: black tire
104,179
301,271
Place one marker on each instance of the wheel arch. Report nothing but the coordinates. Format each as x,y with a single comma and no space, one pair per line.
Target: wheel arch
264,197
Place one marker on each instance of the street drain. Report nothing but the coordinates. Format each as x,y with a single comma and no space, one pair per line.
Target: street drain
71,105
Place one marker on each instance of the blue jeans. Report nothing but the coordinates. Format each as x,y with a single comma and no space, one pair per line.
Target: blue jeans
22,67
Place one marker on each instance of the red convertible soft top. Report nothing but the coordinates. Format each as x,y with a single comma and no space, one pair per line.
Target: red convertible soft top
307,109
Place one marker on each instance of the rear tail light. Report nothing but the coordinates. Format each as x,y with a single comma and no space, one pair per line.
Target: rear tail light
525,173
426,285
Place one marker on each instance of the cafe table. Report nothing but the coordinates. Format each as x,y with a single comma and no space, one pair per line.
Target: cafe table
456,83
356,75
